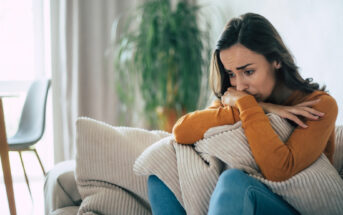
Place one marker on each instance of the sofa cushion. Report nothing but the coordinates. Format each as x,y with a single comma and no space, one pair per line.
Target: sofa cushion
104,177
60,187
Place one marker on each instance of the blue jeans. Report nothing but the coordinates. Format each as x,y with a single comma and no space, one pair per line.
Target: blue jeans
162,199
235,193
238,193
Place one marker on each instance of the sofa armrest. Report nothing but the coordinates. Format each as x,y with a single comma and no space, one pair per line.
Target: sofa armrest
338,154
70,210
60,188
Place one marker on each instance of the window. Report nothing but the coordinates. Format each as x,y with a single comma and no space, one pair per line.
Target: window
24,42
25,56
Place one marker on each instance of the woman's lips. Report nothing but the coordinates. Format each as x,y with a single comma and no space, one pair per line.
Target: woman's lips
257,97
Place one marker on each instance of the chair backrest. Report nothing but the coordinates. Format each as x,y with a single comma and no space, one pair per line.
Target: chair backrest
32,120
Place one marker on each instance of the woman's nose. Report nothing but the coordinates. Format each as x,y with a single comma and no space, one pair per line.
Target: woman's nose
240,84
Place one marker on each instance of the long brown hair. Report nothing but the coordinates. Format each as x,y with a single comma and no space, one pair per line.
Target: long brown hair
257,34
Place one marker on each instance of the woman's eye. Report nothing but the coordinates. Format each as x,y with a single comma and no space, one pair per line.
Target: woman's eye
249,72
231,74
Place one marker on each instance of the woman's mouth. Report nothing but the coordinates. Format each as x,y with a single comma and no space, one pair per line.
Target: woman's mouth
257,97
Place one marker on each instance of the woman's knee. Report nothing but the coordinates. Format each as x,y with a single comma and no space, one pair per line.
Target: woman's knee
228,195
229,183
232,176
236,182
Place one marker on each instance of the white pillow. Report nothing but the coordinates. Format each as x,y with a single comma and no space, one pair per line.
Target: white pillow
104,160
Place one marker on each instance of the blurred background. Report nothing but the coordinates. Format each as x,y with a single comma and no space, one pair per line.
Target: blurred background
142,67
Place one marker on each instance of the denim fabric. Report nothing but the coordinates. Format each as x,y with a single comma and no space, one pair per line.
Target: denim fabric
235,193
238,193
162,200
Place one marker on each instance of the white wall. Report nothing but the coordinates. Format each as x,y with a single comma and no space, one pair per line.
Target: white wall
312,30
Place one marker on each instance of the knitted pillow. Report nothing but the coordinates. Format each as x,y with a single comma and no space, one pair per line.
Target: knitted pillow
316,190
104,160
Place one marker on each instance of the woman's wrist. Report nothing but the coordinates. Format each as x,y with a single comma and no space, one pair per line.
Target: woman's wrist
264,106
246,102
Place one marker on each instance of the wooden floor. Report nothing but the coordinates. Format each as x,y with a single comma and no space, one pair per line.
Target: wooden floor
24,204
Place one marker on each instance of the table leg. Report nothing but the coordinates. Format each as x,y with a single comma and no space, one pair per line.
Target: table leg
6,162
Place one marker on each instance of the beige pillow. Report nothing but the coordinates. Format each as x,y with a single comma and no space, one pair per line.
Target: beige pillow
104,160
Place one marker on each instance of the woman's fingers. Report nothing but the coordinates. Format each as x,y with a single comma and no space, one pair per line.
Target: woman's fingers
301,112
313,111
308,103
293,112
296,120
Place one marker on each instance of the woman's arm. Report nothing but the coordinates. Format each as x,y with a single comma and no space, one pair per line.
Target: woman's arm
293,113
192,126
279,161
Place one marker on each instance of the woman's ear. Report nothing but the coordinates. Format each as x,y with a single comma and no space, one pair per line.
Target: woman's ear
277,64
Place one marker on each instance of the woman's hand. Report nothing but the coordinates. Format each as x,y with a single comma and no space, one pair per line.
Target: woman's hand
231,96
303,109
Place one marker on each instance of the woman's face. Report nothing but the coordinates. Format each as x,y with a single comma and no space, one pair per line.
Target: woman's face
249,71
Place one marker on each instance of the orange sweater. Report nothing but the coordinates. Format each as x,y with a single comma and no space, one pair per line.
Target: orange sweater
278,161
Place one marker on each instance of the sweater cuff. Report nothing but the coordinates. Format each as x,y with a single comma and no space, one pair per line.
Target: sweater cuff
246,102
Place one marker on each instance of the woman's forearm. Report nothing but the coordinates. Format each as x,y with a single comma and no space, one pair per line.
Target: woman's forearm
192,127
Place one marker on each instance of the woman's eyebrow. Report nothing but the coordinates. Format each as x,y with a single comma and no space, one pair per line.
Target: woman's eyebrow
242,67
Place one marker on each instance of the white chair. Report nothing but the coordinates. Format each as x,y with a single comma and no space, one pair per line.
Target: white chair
32,122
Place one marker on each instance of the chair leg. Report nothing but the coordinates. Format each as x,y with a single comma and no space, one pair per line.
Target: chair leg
5,163
8,180
40,162
27,180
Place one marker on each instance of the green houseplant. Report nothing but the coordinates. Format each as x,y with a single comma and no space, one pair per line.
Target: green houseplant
163,55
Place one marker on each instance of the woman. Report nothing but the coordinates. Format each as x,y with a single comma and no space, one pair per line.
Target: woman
253,73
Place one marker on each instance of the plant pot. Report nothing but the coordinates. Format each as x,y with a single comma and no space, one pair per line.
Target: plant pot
168,117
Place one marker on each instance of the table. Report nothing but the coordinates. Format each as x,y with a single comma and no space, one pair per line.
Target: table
5,159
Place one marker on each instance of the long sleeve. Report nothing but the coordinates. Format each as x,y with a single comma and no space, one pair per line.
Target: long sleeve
277,160
192,126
